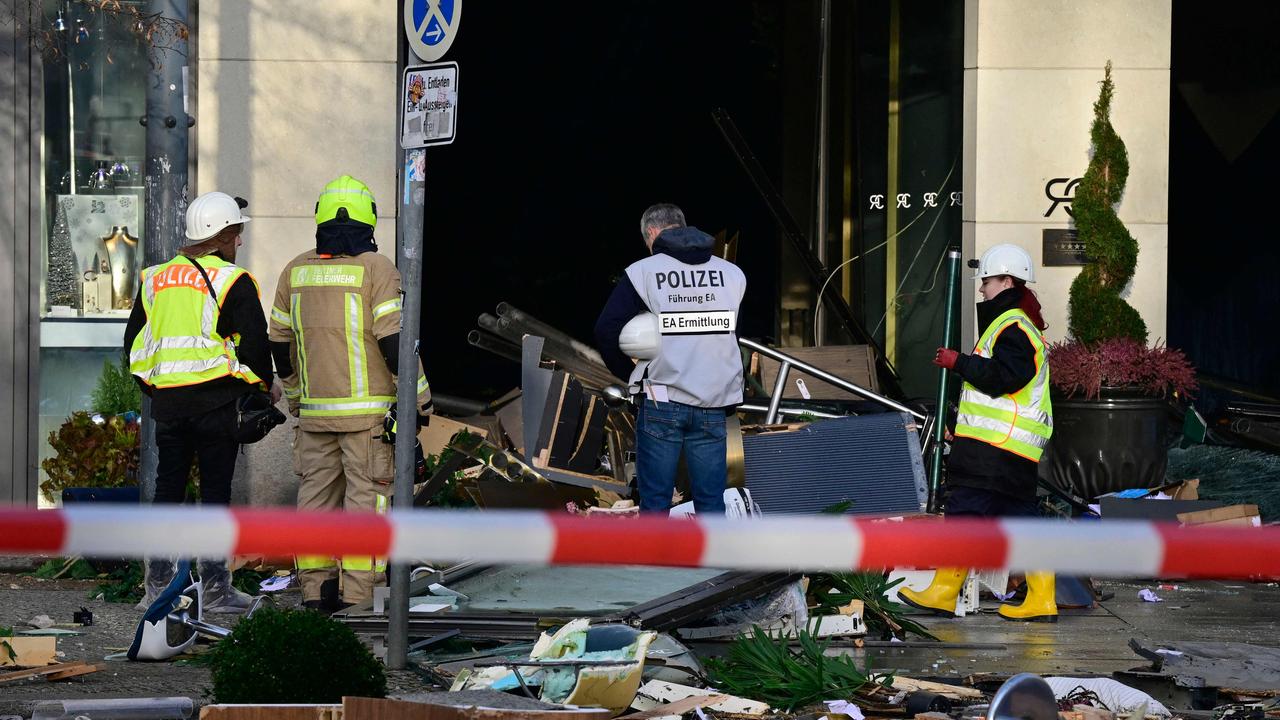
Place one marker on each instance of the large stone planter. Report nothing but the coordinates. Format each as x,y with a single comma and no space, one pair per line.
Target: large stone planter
1116,441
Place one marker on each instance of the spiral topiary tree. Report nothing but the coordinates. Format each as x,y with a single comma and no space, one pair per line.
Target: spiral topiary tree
1096,310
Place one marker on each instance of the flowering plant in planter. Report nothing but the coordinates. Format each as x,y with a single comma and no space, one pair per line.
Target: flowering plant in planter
1080,369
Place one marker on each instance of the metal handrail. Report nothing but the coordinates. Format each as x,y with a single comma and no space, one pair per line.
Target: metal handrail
789,362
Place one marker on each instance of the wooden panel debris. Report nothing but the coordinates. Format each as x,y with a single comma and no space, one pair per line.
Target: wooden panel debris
59,671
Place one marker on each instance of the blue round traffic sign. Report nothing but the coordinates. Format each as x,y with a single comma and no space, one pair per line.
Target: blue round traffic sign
431,25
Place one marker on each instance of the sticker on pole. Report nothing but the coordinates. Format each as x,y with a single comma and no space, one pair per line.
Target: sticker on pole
429,94
431,25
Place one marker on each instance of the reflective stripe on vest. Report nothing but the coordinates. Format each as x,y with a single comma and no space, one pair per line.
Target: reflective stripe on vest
1021,422
179,345
359,402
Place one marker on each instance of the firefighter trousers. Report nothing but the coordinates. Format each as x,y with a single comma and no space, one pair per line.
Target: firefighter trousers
352,471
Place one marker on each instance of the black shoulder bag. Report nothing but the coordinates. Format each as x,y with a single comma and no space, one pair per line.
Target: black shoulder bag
255,413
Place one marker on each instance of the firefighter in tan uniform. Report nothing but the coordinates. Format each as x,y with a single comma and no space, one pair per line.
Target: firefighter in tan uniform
335,327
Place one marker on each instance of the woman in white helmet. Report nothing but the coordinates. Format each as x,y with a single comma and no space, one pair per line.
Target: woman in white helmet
1004,423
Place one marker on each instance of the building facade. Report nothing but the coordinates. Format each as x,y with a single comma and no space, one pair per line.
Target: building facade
910,132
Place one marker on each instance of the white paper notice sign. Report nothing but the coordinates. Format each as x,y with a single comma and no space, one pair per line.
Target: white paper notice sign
429,105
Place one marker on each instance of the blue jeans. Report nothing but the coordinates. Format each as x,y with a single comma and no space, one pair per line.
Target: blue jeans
662,429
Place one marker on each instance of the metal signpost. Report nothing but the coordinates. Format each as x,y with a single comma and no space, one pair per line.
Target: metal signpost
428,112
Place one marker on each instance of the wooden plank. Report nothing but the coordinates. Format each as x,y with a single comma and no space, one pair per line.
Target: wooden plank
854,363
678,707
564,434
271,712
953,692
550,415
590,443
73,672
38,672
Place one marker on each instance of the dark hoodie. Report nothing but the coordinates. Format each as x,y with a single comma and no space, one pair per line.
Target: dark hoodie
1011,366
689,245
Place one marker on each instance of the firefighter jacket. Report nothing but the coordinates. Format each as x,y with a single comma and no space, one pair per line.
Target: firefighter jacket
179,344
1019,422
333,310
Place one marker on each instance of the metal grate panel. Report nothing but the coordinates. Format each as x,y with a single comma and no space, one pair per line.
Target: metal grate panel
872,460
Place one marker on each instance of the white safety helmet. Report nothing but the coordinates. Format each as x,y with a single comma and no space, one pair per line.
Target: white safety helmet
640,337
208,214
1006,259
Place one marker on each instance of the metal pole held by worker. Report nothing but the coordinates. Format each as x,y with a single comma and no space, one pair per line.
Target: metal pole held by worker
940,417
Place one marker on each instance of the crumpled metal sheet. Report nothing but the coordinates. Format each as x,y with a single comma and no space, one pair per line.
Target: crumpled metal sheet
1214,664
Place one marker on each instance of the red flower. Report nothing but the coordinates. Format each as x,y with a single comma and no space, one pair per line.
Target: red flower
1079,369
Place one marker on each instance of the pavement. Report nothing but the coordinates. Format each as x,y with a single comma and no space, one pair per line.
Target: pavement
1090,642
23,597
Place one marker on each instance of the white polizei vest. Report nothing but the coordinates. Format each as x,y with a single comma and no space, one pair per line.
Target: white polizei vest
697,308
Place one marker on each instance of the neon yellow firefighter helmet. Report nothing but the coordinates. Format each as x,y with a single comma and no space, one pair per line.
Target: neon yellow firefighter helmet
346,198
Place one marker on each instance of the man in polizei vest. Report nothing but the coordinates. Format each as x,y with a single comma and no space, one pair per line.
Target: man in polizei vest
197,342
1004,423
676,312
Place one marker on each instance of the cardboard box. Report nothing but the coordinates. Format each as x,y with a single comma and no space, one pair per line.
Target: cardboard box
31,650
437,435
1232,515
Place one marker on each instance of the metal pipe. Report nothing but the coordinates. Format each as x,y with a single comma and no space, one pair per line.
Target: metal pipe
506,332
828,377
494,344
505,310
940,421
556,346
457,406
789,411
199,625
775,400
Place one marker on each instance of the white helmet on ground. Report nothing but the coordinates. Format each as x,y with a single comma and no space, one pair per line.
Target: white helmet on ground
640,337
208,214
1006,259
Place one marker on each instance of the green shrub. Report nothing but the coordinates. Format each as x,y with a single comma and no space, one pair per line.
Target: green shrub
117,392
91,454
293,656
1096,310
767,669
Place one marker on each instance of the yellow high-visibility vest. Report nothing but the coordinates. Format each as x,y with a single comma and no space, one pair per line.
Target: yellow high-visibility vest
180,344
1020,422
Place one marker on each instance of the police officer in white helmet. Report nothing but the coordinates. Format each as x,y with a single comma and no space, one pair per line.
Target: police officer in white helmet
689,369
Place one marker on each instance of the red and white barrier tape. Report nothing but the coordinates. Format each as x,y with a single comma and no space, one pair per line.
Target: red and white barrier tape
1101,549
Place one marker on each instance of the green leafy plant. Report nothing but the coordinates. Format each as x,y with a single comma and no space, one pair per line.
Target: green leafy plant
769,670
249,580
883,616
293,656
1097,312
6,631
123,584
116,392
75,568
91,453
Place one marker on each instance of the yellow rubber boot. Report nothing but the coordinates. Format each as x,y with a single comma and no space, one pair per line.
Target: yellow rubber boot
940,597
1040,605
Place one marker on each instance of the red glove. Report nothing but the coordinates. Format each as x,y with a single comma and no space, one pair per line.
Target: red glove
946,358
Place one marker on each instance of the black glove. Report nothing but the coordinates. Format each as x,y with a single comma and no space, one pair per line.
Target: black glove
389,425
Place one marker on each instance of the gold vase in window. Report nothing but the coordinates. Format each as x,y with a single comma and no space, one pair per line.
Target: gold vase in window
122,248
